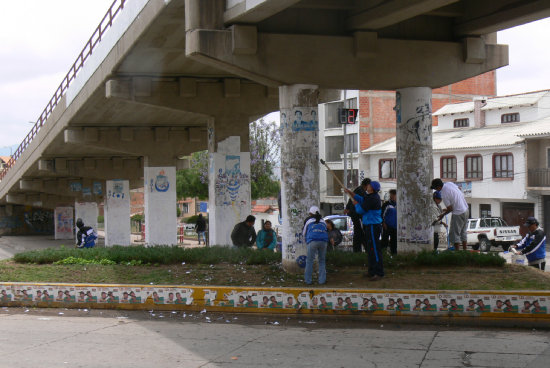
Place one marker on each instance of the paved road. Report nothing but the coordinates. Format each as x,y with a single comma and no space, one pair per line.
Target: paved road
81,338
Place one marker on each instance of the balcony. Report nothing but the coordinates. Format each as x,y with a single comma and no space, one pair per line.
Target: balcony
538,178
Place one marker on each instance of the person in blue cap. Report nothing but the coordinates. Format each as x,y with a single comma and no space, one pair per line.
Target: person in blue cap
533,245
370,207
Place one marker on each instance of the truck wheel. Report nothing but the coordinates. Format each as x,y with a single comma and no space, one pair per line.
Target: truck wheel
484,245
505,246
475,246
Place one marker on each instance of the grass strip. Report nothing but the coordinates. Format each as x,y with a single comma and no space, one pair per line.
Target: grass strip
168,255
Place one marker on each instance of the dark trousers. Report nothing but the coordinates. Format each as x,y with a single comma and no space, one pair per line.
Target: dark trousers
374,255
358,238
540,266
389,237
436,240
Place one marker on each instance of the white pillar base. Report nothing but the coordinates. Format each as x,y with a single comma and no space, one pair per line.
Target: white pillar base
88,212
160,205
117,213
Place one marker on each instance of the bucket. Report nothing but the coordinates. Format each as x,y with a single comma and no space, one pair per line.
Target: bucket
518,259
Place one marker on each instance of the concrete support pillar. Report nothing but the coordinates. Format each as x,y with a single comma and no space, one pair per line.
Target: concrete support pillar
64,223
414,168
160,202
88,212
117,213
229,190
299,167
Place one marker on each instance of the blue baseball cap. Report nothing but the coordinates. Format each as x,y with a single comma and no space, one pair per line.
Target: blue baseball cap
437,194
375,186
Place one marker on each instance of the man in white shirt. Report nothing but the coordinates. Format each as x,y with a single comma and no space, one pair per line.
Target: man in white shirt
454,200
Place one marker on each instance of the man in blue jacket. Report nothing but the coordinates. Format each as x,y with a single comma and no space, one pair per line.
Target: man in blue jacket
533,246
369,206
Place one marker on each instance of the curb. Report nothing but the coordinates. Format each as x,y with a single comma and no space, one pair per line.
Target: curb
403,305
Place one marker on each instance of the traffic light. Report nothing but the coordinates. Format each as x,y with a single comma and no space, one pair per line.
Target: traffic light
347,116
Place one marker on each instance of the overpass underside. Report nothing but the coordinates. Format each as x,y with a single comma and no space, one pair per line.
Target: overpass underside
169,78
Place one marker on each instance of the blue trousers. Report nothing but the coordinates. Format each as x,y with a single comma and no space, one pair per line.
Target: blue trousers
374,254
314,248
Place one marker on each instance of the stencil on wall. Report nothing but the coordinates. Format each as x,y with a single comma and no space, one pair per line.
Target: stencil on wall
161,182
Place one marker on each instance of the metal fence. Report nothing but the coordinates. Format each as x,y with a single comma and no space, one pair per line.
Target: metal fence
107,21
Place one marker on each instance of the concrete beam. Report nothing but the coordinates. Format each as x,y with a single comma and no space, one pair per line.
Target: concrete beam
100,169
248,11
480,20
203,97
142,142
392,12
429,63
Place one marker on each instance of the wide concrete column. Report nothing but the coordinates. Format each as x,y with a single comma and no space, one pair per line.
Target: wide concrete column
117,212
299,166
88,212
160,202
64,223
414,168
229,193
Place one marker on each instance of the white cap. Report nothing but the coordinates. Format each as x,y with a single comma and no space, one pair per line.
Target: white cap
314,209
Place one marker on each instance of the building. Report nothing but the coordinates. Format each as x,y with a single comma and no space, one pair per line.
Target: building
3,162
497,150
375,124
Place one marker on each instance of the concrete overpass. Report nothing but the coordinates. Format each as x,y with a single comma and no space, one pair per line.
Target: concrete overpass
164,78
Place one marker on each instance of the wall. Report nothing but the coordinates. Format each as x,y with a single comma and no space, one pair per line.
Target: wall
64,223
526,114
160,205
447,121
117,213
88,212
24,220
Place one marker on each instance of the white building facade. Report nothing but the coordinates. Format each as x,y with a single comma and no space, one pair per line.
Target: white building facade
331,142
490,148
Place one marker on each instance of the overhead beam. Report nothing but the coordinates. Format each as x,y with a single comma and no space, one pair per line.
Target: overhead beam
343,62
502,16
393,12
255,11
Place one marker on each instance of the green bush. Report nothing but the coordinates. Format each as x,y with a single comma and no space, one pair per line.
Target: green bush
83,261
100,219
136,255
137,217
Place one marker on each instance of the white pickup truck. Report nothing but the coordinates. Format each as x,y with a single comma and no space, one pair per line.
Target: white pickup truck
489,231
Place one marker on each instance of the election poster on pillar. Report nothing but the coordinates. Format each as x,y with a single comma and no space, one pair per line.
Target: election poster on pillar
232,179
118,194
64,223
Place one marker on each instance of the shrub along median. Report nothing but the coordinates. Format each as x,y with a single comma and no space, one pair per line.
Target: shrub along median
247,267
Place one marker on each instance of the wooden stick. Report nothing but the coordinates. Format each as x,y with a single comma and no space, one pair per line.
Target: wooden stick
333,174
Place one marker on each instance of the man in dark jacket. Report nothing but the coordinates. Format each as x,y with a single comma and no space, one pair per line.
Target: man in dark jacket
243,234
200,228
358,235
389,222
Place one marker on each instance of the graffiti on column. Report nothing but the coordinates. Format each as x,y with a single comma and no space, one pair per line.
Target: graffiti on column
229,182
39,221
161,182
97,188
300,172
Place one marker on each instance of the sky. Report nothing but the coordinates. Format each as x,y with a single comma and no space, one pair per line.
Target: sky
40,40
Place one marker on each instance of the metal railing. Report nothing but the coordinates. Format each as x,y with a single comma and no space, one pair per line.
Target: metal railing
538,178
107,21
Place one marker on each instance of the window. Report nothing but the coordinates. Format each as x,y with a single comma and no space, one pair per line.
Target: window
473,168
503,165
340,223
510,118
484,210
461,123
448,167
473,224
386,168
334,147
352,141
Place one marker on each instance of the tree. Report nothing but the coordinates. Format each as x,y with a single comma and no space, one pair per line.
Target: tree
265,144
265,153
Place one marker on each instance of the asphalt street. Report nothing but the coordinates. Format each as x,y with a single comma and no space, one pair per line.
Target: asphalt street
83,338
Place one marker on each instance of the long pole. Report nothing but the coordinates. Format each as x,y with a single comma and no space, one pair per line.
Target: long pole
345,152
